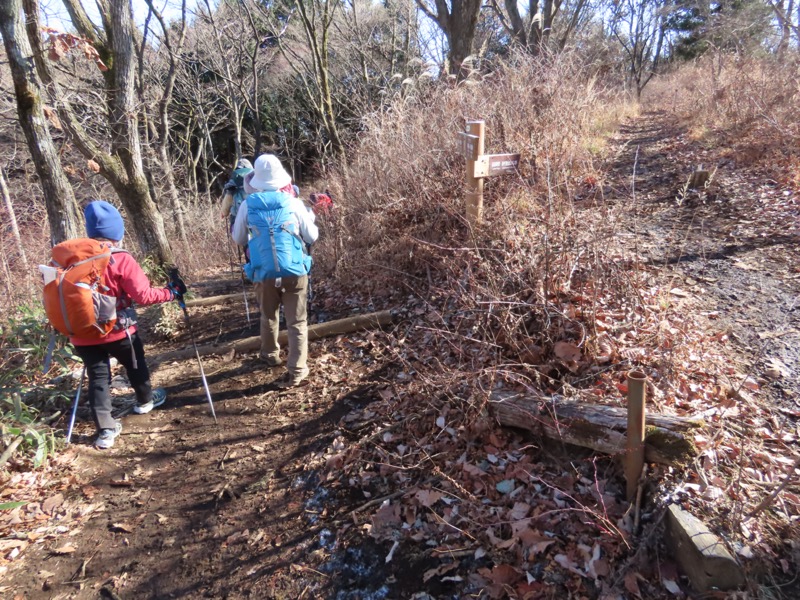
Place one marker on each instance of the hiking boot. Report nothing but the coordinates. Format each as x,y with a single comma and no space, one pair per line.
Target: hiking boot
272,361
289,381
106,437
157,398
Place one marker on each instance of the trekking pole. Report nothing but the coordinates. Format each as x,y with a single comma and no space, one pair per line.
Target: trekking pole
229,240
48,355
182,303
244,287
75,407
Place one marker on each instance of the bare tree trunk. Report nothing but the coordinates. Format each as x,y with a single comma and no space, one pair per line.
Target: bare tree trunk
62,210
177,204
458,22
162,131
122,167
784,18
253,56
125,144
196,161
13,218
232,95
189,157
317,31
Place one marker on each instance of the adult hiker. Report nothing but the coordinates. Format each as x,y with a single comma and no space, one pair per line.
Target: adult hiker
289,188
117,281
278,227
234,192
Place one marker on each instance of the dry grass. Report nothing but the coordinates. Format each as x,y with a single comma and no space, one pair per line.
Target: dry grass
747,104
406,178
542,267
401,225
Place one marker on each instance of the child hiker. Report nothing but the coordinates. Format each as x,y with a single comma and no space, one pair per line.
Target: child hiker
125,283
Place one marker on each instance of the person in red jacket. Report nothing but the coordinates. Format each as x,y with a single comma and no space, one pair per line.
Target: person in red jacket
127,282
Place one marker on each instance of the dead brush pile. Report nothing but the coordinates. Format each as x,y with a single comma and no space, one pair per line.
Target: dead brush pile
402,194
745,104
540,282
543,299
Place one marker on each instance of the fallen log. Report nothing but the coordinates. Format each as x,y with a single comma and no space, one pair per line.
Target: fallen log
211,300
316,331
668,439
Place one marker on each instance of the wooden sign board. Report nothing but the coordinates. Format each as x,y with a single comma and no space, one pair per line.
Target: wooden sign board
503,164
489,165
468,144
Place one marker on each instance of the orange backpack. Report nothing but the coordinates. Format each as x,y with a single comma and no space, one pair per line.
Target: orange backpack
76,302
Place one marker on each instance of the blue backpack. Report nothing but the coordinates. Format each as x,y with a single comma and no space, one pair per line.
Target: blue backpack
276,248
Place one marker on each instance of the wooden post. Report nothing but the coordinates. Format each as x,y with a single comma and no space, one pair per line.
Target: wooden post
475,184
699,178
634,446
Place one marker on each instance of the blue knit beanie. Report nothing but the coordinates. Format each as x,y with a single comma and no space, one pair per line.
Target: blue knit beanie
103,221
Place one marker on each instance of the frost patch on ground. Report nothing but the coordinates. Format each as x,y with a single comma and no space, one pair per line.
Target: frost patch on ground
359,575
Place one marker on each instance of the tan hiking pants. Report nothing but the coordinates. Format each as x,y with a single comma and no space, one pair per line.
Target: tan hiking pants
293,293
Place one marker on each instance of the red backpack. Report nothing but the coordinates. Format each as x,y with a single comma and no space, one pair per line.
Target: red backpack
76,301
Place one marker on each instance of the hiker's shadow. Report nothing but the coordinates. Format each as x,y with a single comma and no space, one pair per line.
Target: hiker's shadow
243,381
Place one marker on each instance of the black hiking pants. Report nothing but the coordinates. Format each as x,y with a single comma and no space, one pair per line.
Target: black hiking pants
96,359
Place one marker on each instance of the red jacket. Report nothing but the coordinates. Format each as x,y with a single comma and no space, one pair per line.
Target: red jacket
126,280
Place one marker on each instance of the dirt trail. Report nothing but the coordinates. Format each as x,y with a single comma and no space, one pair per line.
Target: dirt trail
732,249
181,508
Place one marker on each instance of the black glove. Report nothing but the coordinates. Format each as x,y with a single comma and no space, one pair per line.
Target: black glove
176,284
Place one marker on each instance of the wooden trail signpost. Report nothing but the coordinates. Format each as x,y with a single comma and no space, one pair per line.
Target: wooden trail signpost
480,165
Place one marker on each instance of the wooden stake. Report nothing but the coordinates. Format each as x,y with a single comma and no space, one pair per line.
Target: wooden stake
475,184
634,446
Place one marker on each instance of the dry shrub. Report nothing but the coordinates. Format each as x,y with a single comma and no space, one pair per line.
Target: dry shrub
746,103
402,194
209,241
535,274
21,280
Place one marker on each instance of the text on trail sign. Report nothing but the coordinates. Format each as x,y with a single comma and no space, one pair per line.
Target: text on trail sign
500,164
488,165
468,145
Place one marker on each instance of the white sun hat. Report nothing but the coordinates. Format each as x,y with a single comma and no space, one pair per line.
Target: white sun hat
268,174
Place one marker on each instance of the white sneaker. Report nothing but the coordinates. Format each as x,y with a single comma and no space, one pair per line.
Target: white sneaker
107,437
157,398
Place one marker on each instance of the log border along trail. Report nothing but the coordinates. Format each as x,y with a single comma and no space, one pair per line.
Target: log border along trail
338,327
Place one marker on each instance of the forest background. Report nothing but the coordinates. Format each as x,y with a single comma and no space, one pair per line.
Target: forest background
365,99
159,112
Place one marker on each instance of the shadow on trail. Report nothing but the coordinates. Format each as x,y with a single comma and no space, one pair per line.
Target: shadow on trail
726,251
217,487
